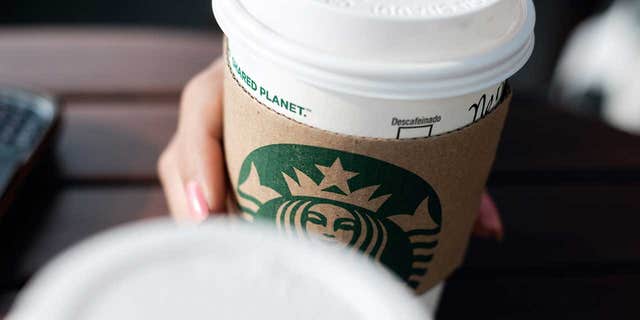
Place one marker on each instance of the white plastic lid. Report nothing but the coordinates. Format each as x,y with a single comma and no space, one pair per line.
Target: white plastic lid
404,49
219,271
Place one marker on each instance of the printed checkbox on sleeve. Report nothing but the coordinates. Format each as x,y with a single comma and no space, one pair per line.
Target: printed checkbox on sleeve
415,132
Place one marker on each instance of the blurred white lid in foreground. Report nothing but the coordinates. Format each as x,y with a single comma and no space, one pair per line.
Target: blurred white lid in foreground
222,270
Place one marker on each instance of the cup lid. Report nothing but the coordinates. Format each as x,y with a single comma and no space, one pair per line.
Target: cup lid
223,270
392,48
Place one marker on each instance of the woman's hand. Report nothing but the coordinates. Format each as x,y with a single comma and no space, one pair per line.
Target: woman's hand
192,166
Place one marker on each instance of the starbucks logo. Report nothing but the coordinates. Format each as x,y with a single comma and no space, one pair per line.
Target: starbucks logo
382,210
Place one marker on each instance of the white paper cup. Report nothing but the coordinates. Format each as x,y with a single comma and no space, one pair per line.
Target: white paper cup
357,115
378,69
395,69
222,270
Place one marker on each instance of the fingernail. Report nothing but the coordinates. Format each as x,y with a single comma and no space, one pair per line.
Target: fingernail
489,220
197,202
494,222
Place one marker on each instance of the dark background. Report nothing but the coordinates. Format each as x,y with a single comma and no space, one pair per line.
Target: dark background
556,19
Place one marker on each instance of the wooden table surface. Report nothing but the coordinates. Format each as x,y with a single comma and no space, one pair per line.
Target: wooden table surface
568,187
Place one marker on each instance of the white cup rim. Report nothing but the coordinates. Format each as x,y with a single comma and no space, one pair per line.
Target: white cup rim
389,80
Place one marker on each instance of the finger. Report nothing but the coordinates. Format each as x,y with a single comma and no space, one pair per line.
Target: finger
200,129
488,223
171,180
202,101
210,173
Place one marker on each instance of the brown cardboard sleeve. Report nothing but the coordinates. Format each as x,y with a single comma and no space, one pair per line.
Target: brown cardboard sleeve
410,204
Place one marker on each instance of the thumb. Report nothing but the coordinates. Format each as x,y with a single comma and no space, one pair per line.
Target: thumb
210,174
201,127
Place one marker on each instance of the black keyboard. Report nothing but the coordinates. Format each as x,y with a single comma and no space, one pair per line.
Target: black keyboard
26,120
19,127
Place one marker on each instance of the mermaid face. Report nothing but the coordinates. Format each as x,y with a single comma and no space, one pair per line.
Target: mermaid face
331,223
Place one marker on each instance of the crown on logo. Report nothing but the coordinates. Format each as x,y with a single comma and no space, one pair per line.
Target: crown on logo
338,177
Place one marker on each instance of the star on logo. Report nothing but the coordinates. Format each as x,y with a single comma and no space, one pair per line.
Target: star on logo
336,176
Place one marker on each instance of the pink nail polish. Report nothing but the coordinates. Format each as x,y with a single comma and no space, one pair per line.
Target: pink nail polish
197,202
490,218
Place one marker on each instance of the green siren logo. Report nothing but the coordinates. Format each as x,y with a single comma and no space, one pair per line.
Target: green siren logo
382,210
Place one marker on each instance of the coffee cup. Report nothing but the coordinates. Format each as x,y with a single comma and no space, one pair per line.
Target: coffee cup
373,124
